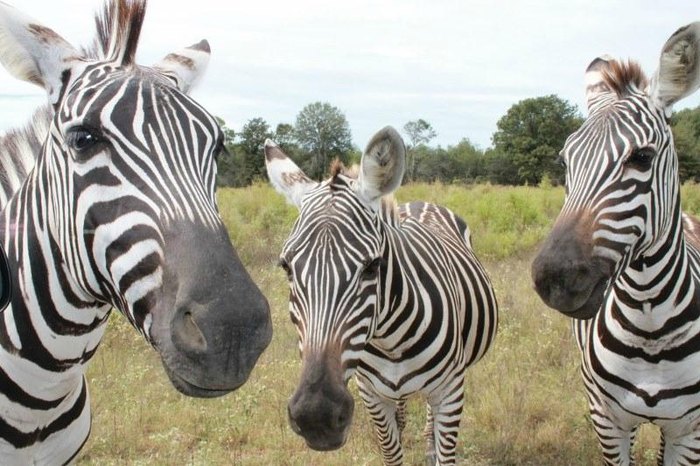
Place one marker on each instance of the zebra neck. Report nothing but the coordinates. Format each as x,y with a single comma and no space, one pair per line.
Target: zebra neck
658,286
51,324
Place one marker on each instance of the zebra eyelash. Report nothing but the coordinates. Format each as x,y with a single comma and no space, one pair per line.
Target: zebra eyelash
284,265
83,142
641,158
221,149
560,160
371,268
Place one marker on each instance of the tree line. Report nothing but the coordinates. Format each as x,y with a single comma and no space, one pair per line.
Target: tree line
524,147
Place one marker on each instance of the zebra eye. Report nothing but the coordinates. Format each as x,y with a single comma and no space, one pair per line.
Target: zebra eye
81,141
220,150
372,269
641,158
560,160
284,265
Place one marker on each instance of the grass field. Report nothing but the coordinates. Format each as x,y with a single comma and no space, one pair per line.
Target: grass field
525,402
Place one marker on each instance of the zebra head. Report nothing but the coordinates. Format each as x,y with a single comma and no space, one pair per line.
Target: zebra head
334,260
623,199
126,200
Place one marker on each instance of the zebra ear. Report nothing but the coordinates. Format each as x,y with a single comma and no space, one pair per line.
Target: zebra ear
382,165
285,176
679,68
595,84
34,53
187,66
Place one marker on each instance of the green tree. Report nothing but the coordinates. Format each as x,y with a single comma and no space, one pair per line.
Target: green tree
323,133
284,135
227,164
253,134
419,132
532,132
686,135
252,140
500,168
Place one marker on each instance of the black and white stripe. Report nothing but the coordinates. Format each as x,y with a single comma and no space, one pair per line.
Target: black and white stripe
392,295
619,257
118,211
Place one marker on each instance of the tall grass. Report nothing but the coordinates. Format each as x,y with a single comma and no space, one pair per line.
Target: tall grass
525,403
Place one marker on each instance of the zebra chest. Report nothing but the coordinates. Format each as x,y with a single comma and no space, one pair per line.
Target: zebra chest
397,374
650,377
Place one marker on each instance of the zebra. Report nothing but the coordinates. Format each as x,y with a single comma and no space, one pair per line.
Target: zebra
118,211
394,295
624,261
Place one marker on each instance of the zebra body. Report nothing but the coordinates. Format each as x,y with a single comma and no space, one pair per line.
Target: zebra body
118,211
624,261
392,295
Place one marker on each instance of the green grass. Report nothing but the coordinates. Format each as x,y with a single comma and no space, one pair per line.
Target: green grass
525,403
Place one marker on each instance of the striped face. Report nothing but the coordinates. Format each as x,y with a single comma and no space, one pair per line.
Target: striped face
334,260
125,197
130,157
621,179
622,200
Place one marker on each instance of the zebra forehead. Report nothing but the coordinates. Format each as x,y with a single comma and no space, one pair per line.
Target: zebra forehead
624,78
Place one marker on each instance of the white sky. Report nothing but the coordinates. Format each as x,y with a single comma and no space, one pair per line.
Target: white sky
457,64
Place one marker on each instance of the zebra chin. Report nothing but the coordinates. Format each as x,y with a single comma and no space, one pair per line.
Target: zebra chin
189,389
581,299
321,409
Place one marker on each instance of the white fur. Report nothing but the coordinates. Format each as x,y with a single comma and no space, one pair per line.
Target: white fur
186,76
679,68
285,176
593,79
382,166
39,59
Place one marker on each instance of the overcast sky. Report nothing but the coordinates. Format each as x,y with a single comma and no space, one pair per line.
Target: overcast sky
457,64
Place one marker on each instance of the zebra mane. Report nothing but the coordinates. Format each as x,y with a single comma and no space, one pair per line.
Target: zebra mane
19,148
118,31
624,77
338,168
389,208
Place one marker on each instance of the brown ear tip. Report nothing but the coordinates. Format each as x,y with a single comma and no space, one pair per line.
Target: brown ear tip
599,63
273,151
202,46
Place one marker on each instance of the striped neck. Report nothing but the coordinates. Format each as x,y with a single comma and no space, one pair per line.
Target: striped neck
657,285
52,322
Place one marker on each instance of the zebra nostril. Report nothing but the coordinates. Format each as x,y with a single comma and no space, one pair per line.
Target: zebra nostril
187,334
341,420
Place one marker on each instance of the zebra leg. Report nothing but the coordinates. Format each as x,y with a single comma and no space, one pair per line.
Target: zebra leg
385,415
443,420
615,442
681,451
401,417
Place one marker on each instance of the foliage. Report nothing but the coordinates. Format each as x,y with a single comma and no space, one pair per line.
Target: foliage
532,132
322,131
418,132
528,138
686,134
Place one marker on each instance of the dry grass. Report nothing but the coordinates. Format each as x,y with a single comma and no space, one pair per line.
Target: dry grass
525,402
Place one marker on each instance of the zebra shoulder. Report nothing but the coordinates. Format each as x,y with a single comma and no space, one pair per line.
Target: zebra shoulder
437,219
